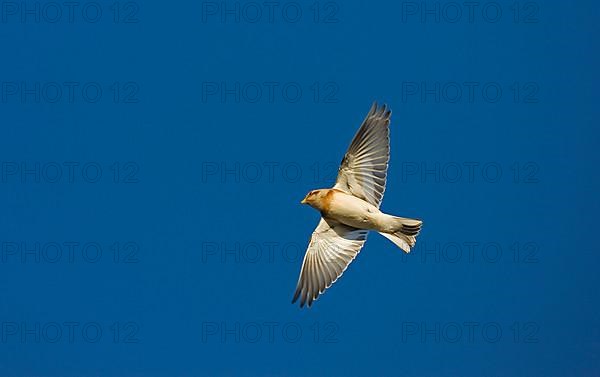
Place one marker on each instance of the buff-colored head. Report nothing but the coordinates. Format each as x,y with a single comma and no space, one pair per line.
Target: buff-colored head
314,197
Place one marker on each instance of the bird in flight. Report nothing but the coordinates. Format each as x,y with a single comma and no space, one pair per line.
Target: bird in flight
350,209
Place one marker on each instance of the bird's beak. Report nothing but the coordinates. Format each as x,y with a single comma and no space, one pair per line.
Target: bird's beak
303,201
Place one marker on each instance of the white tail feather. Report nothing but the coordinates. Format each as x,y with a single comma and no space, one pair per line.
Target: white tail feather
402,232
400,240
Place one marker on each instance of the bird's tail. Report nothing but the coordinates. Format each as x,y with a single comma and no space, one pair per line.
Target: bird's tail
402,231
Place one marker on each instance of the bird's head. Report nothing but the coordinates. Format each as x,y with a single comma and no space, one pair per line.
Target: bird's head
313,198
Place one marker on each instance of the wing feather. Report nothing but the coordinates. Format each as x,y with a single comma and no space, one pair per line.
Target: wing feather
363,170
333,246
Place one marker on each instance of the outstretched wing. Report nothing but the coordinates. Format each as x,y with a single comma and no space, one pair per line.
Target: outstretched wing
332,247
363,169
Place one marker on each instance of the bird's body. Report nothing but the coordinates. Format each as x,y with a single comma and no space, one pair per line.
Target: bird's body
350,210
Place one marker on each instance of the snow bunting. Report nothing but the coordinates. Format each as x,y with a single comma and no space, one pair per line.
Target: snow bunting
350,210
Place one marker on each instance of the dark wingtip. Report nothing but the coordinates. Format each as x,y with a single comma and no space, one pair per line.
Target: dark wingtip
388,114
296,295
382,111
373,109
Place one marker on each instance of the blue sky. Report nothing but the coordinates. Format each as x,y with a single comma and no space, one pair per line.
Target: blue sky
153,157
